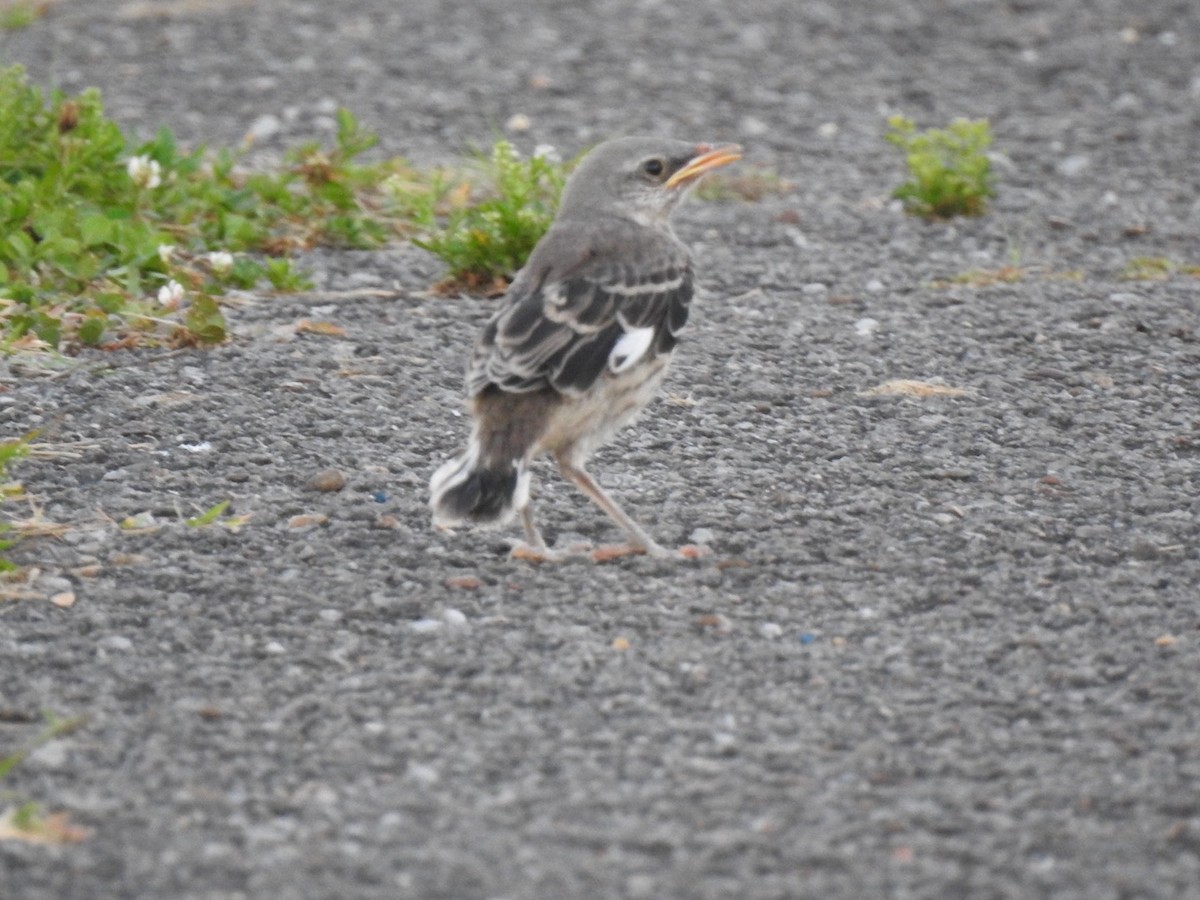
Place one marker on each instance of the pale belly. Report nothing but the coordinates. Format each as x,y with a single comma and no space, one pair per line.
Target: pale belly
578,427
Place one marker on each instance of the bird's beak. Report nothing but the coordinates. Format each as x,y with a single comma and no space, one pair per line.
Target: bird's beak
705,161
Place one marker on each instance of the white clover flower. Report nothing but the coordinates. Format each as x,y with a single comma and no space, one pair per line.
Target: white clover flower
221,261
170,295
145,172
547,152
165,251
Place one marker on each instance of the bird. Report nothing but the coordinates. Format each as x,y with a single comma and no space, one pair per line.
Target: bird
581,340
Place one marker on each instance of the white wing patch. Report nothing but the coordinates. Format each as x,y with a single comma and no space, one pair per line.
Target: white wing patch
630,348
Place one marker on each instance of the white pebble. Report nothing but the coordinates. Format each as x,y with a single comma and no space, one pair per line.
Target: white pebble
752,127
454,618
424,626
771,630
827,130
866,327
423,773
518,122
701,536
264,127
874,286
330,615
117,642
274,648
814,287
1073,165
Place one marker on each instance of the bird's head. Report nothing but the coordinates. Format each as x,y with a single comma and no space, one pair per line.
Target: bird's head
640,178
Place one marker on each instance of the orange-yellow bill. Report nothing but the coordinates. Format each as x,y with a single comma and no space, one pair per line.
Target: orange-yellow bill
705,162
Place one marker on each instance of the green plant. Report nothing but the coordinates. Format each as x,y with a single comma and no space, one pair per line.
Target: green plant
26,820
1150,269
17,14
10,451
483,222
104,243
949,171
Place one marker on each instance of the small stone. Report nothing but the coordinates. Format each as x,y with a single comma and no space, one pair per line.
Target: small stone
827,130
621,644
264,127
874,286
454,618
330,615
715,622
54,584
116,643
752,127
307,520
64,599
1166,640
702,536
518,122
770,630
274,648
425,626
464,582
1073,165
866,327
327,480
423,774
813,288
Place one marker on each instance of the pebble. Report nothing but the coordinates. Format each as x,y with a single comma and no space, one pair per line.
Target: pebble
770,630
274,648
307,520
422,773
454,618
264,127
54,584
866,327
330,615
701,536
425,626
1073,165
327,480
117,643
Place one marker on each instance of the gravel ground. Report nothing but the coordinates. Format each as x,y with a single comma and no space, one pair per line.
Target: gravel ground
946,646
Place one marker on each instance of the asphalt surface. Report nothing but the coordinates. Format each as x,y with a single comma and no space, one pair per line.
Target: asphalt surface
945,646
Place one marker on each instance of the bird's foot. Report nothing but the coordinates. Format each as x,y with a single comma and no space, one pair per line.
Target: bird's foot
609,552
542,554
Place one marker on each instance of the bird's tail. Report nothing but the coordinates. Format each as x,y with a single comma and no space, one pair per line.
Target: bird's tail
469,489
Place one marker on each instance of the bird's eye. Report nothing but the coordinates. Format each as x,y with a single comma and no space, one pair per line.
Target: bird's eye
653,167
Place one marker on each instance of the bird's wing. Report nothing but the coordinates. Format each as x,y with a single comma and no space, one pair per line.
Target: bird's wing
564,326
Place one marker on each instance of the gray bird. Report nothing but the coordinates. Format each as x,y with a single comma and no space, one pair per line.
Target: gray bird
582,338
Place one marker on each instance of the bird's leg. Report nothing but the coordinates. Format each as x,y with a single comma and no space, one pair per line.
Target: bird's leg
533,548
640,542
